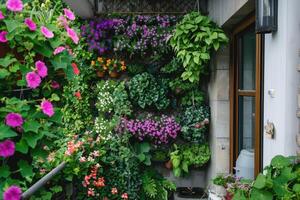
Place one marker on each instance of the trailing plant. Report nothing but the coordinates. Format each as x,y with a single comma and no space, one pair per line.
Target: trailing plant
159,130
154,186
145,90
185,156
195,37
174,66
194,121
192,98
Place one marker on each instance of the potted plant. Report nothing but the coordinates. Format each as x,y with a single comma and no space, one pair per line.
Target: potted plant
100,67
115,66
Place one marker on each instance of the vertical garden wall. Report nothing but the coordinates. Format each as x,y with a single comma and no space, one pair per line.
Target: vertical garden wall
113,105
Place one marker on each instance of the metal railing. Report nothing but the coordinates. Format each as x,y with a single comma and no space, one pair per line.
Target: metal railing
35,187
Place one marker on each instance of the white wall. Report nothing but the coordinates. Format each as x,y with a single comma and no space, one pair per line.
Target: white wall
281,61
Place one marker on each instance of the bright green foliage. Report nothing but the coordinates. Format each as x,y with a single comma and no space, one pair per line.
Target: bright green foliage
195,37
145,90
155,187
122,105
185,156
194,122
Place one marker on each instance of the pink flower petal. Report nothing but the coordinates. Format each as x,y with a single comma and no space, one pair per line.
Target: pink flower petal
14,5
73,35
47,108
33,80
46,32
41,68
12,193
30,24
3,36
7,148
58,50
69,14
14,120
1,15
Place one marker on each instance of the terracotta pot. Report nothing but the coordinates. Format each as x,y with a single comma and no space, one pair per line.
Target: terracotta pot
100,74
61,73
114,74
169,164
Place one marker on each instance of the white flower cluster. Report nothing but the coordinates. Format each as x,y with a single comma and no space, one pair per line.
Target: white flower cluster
105,99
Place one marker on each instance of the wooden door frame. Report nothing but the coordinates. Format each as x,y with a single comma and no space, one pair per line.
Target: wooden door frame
233,89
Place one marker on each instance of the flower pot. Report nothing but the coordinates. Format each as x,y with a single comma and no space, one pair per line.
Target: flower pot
114,74
100,74
61,73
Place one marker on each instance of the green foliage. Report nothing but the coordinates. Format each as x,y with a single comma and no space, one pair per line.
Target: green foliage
172,67
155,187
145,90
192,98
194,121
195,37
185,156
143,153
160,155
122,105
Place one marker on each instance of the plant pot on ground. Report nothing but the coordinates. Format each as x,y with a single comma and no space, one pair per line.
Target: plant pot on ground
100,74
114,74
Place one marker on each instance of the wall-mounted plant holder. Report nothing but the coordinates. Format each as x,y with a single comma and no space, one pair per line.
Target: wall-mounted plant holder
270,130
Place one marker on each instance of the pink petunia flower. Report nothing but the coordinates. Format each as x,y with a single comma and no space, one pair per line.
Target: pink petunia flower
124,196
30,24
12,193
14,5
55,85
73,35
75,69
3,36
33,80
47,108
69,14
62,21
1,15
7,148
58,50
41,69
46,32
14,120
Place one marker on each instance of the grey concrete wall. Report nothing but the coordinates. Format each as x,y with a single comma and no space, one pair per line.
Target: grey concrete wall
219,102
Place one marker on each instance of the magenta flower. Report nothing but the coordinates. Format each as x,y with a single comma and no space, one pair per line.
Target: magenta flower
3,36
47,108
58,50
12,193
14,120
46,32
7,148
33,80
14,5
69,14
73,35
55,85
30,24
1,15
41,69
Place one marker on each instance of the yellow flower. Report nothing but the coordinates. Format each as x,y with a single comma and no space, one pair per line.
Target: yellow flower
122,63
93,63
123,67
100,59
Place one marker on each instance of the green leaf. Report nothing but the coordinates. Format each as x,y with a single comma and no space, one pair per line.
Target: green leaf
7,60
32,126
12,24
32,138
260,182
43,49
260,195
280,162
22,146
144,147
4,73
6,132
296,188
55,97
5,172
25,168
141,157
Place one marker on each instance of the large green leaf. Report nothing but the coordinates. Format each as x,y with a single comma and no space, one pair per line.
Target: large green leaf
280,162
32,138
11,25
6,132
260,182
5,172
22,146
32,126
25,168
260,195
4,73
43,49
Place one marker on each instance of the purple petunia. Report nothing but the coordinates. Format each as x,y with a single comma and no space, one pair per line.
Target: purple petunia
73,35
30,24
47,108
69,14
12,193
41,69
7,148
3,38
1,15
46,32
58,50
33,80
14,120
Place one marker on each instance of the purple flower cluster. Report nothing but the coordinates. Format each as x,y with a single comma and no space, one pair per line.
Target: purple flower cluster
158,131
99,33
136,35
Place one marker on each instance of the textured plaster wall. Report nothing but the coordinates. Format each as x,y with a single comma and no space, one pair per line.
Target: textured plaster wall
281,61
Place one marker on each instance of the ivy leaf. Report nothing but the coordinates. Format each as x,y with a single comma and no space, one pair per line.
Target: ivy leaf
22,146
25,168
6,132
31,126
5,172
